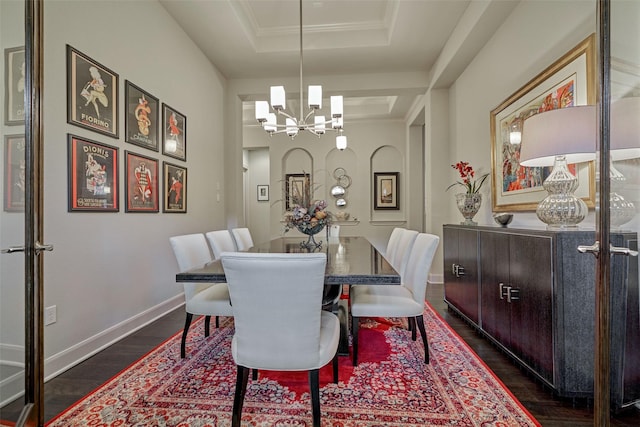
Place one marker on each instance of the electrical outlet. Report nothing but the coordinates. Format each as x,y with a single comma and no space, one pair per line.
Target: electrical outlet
50,315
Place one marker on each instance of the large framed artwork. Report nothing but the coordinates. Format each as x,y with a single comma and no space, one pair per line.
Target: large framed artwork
175,188
568,82
14,173
174,133
386,191
93,176
296,188
14,86
141,177
141,117
92,94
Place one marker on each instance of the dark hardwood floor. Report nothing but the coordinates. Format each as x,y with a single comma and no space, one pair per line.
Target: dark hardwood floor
67,388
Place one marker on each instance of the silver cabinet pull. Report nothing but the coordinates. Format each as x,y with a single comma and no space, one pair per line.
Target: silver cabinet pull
513,295
12,249
501,290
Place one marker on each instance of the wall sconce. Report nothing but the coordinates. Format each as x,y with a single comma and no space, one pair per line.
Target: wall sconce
559,138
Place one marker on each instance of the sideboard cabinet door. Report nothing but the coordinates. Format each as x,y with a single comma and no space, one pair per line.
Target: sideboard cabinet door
461,287
516,297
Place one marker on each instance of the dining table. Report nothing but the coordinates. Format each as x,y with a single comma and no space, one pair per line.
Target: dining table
350,261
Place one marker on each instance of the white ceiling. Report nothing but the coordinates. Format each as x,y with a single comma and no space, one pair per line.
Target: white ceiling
373,40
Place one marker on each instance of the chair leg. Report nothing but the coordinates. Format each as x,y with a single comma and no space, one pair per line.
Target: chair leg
314,388
254,374
420,322
207,323
335,368
183,343
217,322
412,327
355,323
242,379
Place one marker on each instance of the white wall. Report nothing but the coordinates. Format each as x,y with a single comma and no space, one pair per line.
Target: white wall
111,272
259,174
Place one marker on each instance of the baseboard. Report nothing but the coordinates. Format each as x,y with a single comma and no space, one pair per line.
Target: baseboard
436,279
62,361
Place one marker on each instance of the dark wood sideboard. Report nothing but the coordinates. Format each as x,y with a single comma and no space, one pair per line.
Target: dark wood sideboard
532,293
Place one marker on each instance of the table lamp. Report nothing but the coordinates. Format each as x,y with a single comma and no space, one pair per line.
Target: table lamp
624,145
558,138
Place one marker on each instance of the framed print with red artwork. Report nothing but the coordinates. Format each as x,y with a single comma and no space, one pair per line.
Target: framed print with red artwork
141,117
174,133
175,188
93,176
14,85
92,94
141,188
568,82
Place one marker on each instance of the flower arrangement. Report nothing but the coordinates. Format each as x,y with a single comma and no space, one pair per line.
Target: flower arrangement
466,172
307,216
308,219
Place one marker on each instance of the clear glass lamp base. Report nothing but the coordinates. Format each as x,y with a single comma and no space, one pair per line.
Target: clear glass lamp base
561,209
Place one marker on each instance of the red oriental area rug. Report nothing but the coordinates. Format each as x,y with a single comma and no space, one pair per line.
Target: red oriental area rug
390,387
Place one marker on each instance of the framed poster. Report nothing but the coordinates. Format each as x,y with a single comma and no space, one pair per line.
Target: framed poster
568,82
386,190
175,188
14,86
263,193
141,117
93,176
14,173
141,177
296,189
174,133
92,94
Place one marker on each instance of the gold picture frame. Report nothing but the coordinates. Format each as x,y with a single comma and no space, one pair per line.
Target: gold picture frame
567,82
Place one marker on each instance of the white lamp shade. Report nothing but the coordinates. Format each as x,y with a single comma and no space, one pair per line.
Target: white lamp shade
625,129
315,96
337,122
292,127
336,106
262,110
567,131
278,97
271,125
319,124
341,142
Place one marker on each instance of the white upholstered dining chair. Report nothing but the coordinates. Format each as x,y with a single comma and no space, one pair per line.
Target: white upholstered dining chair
401,246
220,241
243,239
279,324
406,300
202,299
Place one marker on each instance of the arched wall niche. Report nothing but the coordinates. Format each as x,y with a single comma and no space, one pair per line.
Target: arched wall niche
297,161
387,159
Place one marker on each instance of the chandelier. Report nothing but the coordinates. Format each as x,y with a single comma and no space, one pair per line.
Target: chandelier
316,124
